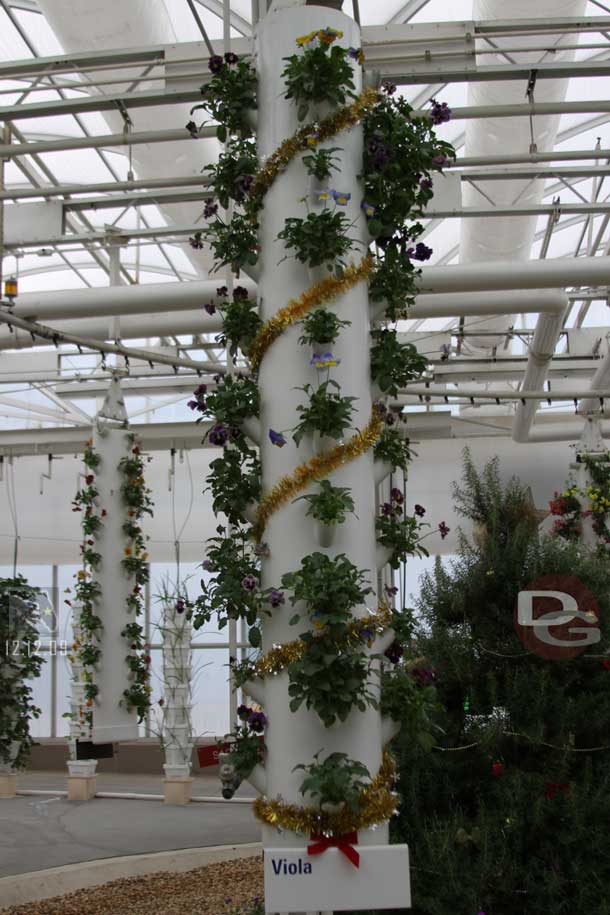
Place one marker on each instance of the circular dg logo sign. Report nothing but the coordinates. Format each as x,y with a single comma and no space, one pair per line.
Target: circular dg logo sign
557,617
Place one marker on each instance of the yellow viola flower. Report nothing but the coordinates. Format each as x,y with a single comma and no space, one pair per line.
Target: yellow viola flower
327,36
305,39
128,551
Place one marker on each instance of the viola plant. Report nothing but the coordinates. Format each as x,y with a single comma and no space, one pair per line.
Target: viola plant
321,74
336,780
330,504
399,533
321,163
246,741
136,497
394,449
321,327
567,506
394,364
328,412
240,320
319,239
229,97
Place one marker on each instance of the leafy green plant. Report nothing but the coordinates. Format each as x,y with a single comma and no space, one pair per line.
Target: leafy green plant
320,164
320,74
231,176
21,663
233,592
229,96
240,323
402,536
235,399
320,238
330,504
234,481
393,364
413,702
393,448
327,412
246,751
234,244
393,283
329,586
321,326
329,681
337,780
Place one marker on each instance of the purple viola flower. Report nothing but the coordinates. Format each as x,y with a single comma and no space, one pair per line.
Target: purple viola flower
262,549
397,496
276,598
231,58
387,510
443,530
195,242
341,198
390,419
257,722
426,184
423,676
243,712
391,590
323,360
215,63
222,291
422,252
240,293
419,510
388,87
440,112
367,634
210,308
249,582
218,435
276,438
394,652
245,184
440,160
356,54
210,208
179,606
207,565
192,404
193,130
368,209
200,390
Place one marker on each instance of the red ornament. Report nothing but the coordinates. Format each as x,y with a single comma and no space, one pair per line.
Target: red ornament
552,789
497,769
606,663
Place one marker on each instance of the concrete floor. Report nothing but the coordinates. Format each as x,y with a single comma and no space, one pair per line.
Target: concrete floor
42,832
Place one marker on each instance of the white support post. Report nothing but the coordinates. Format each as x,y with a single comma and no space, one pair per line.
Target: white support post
112,720
79,727
591,442
294,738
177,731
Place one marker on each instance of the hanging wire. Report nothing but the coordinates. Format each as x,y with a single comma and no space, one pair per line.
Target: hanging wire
11,497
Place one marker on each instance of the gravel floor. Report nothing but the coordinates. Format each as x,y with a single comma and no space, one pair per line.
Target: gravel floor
218,889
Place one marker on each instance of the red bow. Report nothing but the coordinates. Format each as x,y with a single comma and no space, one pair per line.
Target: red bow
553,788
344,843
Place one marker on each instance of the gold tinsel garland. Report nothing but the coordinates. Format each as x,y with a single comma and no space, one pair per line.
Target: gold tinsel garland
304,138
324,291
280,656
316,468
376,804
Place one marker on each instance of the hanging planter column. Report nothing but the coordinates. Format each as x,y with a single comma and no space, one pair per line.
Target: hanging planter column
113,721
293,738
82,783
177,727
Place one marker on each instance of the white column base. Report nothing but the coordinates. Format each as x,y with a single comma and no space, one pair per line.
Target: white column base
81,787
177,791
8,784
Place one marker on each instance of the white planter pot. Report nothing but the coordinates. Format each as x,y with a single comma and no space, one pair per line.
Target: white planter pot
178,771
326,534
83,768
177,656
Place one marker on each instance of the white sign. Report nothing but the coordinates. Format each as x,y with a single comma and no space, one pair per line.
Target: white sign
32,222
298,882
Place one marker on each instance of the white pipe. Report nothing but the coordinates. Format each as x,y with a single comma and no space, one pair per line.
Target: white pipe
598,382
500,275
293,738
510,238
563,432
541,352
132,796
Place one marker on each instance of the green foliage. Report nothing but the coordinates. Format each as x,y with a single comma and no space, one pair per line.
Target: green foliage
328,412
240,324
228,97
329,586
321,74
511,818
415,707
21,663
230,558
393,448
393,283
402,535
234,481
393,364
321,326
246,752
230,176
320,238
321,163
330,504
234,244
336,780
329,681
235,399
